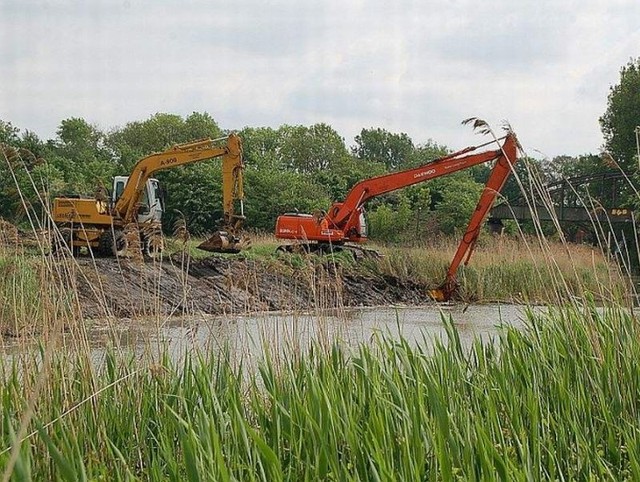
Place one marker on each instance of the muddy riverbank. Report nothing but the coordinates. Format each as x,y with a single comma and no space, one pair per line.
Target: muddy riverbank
217,285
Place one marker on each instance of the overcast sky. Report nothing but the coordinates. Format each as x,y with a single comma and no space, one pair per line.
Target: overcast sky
414,66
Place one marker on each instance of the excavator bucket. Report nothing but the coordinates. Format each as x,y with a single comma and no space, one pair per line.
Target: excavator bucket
445,292
438,295
224,242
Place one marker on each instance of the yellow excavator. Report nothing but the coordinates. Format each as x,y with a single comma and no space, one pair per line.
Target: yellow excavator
127,221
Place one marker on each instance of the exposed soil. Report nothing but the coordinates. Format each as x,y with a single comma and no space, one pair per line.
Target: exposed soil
217,285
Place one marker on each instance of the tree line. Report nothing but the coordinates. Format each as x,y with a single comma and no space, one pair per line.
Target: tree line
287,168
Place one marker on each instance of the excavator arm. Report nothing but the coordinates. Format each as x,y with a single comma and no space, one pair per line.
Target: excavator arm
344,215
497,178
127,205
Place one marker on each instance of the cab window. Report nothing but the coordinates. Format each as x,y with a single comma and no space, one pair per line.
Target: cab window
144,201
119,189
158,193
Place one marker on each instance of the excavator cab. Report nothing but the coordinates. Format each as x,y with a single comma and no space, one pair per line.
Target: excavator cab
151,200
152,206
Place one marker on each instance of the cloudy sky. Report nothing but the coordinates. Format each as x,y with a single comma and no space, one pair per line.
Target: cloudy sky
414,66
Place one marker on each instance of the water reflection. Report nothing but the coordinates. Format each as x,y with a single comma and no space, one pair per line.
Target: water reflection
248,337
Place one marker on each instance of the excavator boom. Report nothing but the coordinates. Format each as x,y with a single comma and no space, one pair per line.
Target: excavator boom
127,205
342,215
227,240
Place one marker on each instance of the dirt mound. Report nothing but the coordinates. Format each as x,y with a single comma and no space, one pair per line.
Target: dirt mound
216,285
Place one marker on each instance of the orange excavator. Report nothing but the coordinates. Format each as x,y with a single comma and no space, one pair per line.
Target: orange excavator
345,223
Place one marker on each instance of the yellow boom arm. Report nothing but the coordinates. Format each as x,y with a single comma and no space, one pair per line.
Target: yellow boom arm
232,181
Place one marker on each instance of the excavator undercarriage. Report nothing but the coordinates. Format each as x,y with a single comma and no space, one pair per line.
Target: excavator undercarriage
358,252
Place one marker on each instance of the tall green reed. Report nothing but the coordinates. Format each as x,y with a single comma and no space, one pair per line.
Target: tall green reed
556,400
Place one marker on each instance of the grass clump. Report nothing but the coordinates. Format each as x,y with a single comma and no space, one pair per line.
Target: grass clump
509,269
555,401
32,295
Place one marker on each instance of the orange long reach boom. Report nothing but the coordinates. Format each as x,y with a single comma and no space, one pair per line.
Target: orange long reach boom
344,222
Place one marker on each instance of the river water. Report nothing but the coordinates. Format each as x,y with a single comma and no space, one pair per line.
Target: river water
249,337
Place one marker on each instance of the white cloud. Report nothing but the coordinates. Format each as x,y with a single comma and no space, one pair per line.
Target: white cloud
414,66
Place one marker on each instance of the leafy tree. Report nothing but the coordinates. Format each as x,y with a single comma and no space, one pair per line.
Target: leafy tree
274,192
311,149
25,180
261,147
9,190
80,154
567,167
141,138
529,172
77,138
454,199
9,134
622,117
601,190
344,173
419,196
424,154
392,223
272,188
30,140
199,125
195,194
402,215
24,175
380,145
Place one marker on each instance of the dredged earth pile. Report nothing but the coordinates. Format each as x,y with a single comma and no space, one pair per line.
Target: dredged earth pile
219,285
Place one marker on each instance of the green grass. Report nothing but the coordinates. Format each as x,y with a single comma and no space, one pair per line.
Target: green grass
509,269
31,293
558,400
